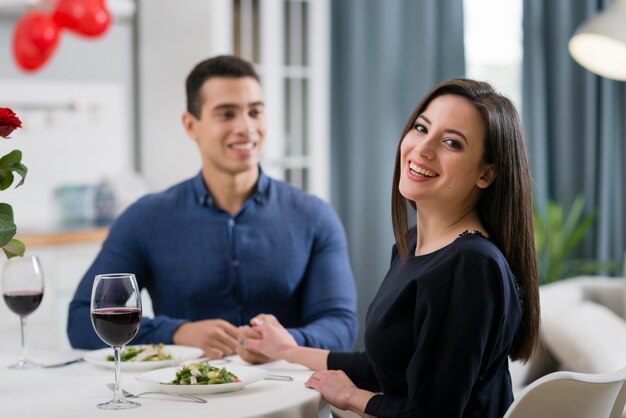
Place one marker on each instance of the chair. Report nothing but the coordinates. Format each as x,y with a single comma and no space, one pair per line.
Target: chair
572,395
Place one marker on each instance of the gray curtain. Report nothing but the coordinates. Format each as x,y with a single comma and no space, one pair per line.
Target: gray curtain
386,54
575,123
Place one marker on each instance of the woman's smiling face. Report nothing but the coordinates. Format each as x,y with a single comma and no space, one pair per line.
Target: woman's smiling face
441,158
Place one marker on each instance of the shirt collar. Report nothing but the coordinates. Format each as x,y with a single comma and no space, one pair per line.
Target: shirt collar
204,198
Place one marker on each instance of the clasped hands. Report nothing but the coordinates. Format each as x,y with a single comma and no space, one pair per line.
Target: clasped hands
219,338
266,340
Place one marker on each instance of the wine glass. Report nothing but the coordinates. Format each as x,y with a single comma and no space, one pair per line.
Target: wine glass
22,290
115,316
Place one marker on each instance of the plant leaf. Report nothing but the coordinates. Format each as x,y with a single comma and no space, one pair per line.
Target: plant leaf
10,163
21,170
7,226
558,235
573,217
6,178
10,159
580,232
14,248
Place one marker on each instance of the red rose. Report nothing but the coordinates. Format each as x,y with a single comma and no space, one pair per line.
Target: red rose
8,122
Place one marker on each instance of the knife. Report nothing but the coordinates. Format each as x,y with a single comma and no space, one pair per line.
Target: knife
65,363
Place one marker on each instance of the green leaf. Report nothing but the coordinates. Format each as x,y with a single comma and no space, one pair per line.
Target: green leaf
10,163
7,226
11,159
573,217
21,170
15,248
558,237
6,178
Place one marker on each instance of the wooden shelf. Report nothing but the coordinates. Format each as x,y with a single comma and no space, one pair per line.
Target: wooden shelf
49,239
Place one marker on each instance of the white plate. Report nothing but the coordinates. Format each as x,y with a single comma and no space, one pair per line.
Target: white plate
179,353
157,379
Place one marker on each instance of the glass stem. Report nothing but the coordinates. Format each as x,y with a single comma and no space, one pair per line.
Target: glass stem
23,334
117,393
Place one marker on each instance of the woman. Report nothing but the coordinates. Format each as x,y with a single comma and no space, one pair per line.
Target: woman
461,293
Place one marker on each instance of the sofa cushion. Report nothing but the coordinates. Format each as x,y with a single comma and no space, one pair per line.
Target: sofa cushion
585,337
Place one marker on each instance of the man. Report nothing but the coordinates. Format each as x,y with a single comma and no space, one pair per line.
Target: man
230,245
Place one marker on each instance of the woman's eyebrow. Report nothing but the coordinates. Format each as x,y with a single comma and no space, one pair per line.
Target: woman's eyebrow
452,131
459,133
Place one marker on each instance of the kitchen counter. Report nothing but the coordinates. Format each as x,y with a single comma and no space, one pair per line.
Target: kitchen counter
63,237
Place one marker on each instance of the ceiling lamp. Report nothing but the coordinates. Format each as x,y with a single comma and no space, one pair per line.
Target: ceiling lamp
599,44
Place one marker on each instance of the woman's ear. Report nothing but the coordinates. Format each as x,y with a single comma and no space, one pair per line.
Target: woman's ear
487,177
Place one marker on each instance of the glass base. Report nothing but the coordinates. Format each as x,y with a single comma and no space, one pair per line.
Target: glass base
24,363
118,404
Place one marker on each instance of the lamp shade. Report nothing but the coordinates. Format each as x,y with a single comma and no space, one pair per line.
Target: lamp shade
599,44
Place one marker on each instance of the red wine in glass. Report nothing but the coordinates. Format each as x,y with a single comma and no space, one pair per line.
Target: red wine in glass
23,302
22,291
116,316
116,326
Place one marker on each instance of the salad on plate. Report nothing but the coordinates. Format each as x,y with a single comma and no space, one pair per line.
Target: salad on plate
142,357
203,374
149,352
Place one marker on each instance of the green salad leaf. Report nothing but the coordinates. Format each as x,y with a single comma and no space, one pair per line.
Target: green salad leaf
203,374
150,352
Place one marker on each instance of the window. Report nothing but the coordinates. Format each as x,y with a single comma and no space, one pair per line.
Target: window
493,44
293,64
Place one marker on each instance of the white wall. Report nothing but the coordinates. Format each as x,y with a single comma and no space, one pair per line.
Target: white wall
171,38
62,147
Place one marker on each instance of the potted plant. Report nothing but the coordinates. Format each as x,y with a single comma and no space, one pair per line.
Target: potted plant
558,236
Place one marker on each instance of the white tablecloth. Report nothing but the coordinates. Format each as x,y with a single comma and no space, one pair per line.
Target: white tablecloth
74,391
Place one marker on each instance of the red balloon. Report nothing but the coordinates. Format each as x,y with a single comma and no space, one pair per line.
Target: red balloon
34,39
85,17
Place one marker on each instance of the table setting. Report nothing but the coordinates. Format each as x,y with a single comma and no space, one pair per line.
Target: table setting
128,380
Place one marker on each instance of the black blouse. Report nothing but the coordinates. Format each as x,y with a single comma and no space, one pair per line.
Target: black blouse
438,334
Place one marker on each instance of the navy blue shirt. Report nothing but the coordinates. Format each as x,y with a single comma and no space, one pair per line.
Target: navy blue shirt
438,335
284,253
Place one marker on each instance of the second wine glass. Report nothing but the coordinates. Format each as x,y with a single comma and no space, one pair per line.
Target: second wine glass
22,290
116,315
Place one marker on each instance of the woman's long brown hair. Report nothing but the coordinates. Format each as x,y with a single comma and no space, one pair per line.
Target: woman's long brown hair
504,208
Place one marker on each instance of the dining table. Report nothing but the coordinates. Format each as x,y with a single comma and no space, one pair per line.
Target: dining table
74,390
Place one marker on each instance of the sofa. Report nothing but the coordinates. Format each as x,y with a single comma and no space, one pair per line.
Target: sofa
583,329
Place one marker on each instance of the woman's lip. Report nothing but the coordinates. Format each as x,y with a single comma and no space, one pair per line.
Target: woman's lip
418,177
422,166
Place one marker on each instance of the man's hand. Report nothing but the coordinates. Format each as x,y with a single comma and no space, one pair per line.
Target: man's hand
245,332
262,319
218,338
245,353
270,337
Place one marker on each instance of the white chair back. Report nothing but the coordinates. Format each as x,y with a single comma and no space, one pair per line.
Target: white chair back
572,395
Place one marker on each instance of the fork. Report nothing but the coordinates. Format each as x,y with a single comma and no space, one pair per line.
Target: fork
158,392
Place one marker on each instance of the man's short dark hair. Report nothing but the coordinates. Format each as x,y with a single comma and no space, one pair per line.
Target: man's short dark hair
220,66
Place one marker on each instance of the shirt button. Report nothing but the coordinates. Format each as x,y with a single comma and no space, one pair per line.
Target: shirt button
231,222
235,263
239,308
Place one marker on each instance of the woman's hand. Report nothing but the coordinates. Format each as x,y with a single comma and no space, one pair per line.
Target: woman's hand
270,338
338,390
246,353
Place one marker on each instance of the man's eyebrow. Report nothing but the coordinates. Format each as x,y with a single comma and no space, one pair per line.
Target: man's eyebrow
452,131
230,106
